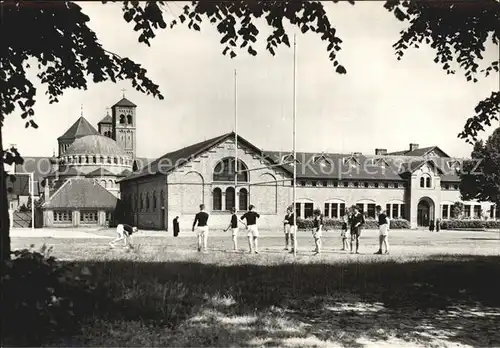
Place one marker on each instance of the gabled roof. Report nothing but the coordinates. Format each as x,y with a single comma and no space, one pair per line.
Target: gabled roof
417,152
106,120
412,166
79,129
338,167
79,193
178,158
125,102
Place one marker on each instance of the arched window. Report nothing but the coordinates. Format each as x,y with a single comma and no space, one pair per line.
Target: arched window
217,199
224,171
230,199
154,201
147,201
129,119
110,184
122,119
142,202
422,182
428,182
103,183
243,199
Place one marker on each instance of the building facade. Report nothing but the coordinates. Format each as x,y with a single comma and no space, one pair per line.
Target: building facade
418,184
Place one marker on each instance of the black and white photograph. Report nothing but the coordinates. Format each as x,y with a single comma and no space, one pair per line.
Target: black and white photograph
250,173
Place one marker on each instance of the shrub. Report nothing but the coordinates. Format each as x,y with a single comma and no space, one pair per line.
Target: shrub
458,224
42,297
336,224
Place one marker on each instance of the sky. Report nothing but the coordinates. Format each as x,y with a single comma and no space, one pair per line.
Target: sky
379,103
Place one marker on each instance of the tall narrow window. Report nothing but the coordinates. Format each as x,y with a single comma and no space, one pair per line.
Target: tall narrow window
217,199
395,214
230,199
428,182
129,119
403,211
371,210
243,199
298,210
342,209
445,211
422,182
308,210
335,210
122,119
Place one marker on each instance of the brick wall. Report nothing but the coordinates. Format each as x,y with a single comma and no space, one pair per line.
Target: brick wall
190,185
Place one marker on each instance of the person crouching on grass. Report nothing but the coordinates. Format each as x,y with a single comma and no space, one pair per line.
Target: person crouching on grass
233,225
200,222
253,233
124,232
317,230
383,227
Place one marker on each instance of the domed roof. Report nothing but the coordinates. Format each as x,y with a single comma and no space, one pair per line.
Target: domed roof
95,145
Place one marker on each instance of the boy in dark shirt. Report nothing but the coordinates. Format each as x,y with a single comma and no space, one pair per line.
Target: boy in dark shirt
233,225
253,233
286,227
317,230
293,230
200,222
357,221
383,227
124,232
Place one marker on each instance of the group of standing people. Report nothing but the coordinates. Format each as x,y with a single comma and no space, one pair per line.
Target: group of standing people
352,224
249,220
434,226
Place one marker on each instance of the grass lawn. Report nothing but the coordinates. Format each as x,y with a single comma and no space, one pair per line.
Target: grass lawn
433,290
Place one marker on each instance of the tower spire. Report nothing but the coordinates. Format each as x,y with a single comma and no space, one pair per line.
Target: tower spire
107,110
81,110
123,92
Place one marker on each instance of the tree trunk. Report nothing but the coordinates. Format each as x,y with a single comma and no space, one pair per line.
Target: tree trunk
4,207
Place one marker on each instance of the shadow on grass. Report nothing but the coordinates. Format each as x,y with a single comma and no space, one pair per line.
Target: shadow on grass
452,299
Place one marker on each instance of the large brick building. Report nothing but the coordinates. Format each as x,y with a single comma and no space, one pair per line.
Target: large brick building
417,184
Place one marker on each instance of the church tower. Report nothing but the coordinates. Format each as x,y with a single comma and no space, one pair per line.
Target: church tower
124,125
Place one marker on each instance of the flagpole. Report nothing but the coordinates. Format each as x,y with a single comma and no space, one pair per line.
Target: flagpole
294,148
235,140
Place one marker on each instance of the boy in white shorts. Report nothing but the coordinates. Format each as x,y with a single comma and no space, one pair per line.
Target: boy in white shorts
200,222
253,233
286,227
124,232
233,225
383,226
317,230
346,236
